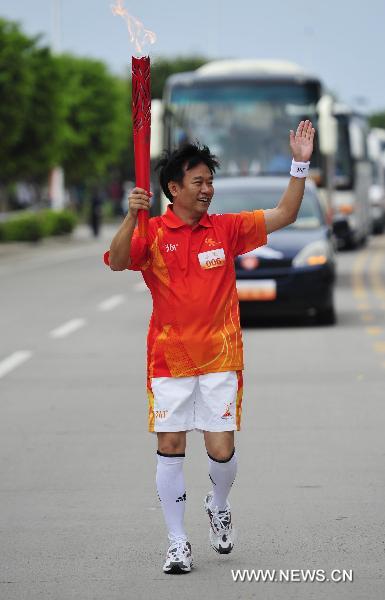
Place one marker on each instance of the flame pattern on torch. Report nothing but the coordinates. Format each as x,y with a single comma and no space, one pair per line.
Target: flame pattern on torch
141,93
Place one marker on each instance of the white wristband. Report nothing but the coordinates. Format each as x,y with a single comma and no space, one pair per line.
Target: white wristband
299,169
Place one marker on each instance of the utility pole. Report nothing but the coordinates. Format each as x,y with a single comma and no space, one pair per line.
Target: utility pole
56,187
56,26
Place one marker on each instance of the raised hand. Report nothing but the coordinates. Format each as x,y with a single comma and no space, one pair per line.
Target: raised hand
301,142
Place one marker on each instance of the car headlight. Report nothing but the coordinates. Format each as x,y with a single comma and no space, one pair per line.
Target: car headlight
346,209
316,253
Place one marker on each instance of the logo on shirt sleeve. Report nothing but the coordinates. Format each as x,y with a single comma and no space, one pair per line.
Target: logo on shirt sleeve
212,258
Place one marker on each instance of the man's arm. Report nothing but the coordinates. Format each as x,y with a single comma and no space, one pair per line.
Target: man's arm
301,144
119,258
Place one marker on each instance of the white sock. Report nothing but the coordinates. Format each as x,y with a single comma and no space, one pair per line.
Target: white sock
172,493
222,475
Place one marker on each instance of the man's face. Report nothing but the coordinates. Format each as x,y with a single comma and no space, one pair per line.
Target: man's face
195,193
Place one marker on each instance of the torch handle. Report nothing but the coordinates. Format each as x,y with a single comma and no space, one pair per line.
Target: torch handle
142,174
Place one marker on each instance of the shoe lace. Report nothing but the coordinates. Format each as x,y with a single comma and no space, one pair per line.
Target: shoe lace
221,519
178,549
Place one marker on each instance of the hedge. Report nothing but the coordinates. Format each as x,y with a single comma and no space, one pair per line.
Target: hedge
33,226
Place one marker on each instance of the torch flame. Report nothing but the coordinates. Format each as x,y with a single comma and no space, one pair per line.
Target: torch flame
139,36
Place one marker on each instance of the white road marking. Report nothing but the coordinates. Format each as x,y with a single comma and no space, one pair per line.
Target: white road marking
140,286
13,361
67,328
111,303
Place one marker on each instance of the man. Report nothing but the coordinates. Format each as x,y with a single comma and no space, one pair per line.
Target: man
195,353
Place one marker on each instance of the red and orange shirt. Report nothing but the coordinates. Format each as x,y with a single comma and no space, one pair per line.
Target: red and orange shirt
194,327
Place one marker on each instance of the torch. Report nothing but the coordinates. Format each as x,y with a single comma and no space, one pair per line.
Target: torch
141,105
141,120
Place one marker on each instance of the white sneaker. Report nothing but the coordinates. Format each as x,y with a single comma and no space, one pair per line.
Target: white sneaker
221,528
178,558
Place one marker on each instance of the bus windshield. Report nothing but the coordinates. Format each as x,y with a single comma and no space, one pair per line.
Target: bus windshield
246,124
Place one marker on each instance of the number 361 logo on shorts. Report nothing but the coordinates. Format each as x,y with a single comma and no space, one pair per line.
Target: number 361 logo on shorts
161,414
212,258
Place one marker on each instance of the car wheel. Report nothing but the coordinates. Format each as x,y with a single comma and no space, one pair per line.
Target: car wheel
327,316
364,241
351,243
379,227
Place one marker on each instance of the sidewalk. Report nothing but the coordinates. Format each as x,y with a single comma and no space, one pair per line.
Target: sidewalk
80,237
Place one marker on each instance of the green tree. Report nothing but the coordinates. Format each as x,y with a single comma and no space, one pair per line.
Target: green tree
377,120
125,158
96,120
15,85
27,108
38,148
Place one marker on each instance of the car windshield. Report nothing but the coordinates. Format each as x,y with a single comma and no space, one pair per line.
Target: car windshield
230,201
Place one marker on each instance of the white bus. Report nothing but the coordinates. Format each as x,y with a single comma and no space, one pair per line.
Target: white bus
353,176
377,190
243,110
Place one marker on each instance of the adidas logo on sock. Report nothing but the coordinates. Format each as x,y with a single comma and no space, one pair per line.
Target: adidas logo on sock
181,498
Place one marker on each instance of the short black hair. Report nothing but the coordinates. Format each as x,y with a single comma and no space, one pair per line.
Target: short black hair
172,165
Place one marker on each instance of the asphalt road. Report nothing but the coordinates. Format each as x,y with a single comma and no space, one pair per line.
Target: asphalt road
79,515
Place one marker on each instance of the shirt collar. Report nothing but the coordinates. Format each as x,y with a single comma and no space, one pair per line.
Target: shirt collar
172,220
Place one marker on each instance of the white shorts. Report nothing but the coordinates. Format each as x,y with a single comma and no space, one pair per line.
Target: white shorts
211,402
